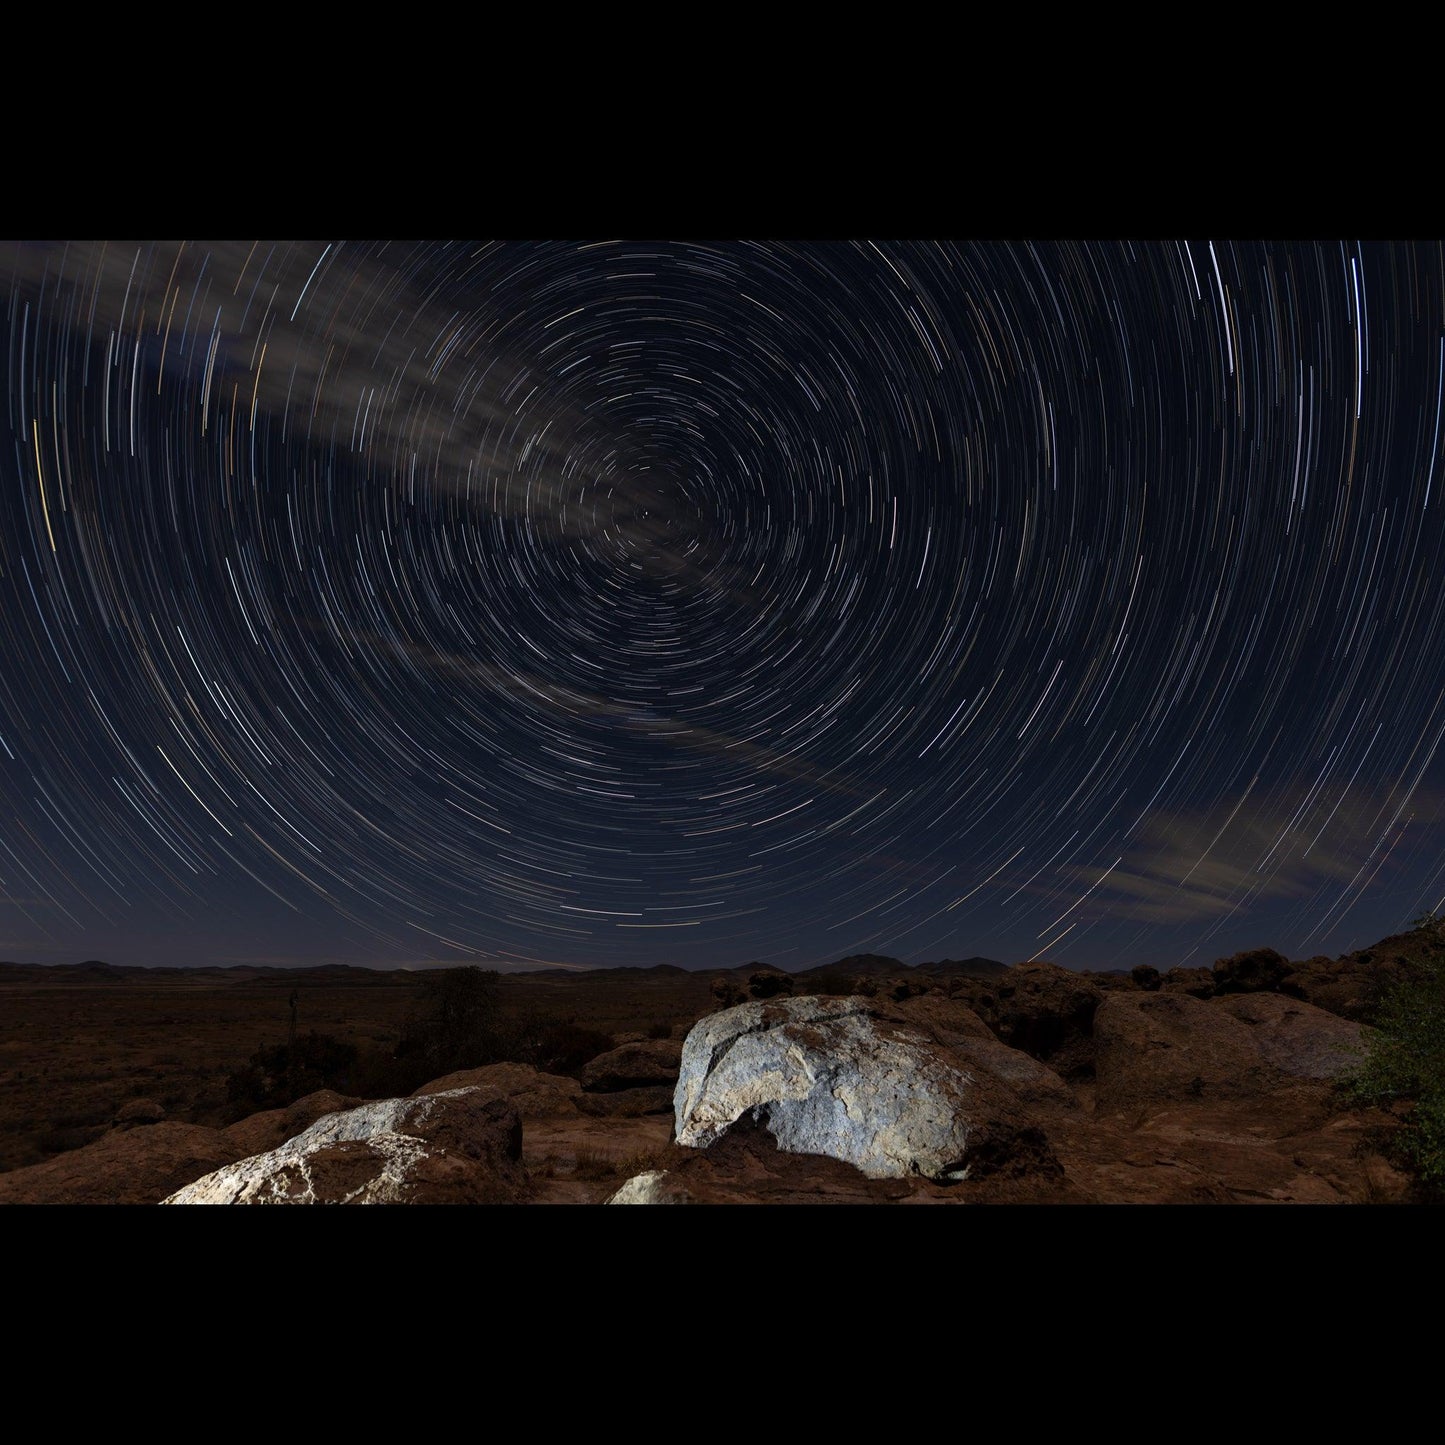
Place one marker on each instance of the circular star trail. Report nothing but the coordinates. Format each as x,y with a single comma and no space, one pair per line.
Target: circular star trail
624,602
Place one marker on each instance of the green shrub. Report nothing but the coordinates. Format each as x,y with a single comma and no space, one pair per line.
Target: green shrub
1405,1060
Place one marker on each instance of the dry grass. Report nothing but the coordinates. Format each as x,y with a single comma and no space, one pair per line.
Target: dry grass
83,1050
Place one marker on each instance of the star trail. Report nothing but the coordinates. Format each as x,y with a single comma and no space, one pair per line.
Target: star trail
624,602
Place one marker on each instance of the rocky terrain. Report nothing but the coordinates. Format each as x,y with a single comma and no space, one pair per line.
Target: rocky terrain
866,1082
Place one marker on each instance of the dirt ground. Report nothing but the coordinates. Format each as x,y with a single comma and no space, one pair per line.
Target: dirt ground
73,1054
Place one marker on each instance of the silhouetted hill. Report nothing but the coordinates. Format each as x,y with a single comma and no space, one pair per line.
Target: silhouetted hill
860,965
975,967
95,972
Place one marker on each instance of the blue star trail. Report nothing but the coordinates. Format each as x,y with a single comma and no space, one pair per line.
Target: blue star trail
621,602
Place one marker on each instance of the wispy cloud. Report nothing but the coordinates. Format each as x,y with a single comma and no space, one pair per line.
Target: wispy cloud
1198,867
287,332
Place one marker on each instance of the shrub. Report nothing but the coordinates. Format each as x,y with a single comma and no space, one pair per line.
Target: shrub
564,1047
1405,1060
455,1025
834,984
274,1077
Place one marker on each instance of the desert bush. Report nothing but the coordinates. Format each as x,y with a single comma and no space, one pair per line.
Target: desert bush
379,1074
455,1024
1405,1060
563,1047
594,1164
834,984
282,1073
458,1024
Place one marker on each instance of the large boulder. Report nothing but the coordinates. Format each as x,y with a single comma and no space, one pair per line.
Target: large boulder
633,1066
257,1133
1195,982
459,1147
628,1103
1298,1039
536,1095
1154,1047
856,1079
138,1112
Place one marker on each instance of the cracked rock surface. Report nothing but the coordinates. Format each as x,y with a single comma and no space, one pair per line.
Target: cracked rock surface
855,1079
461,1146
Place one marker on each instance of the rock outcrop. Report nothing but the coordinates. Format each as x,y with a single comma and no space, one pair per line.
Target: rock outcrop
125,1166
535,1094
463,1146
1153,1047
645,1188
855,1079
1157,1047
633,1066
138,1112
1253,971
1300,1040
259,1132
1045,1010
1193,982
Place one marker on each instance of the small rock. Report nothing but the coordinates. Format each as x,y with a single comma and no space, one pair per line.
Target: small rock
138,1111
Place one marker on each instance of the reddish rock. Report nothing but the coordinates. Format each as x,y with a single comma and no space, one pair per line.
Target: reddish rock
628,1103
459,1147
138,1111
1195,982
1343,986
1046,1011
745,1166
1298,1039
944,1020
535,1094
633,1066
263,1131
1151,1047
126,1166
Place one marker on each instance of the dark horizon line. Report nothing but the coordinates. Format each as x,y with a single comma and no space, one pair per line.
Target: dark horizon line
579,970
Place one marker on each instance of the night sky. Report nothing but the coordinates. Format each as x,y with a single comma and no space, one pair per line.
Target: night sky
629,602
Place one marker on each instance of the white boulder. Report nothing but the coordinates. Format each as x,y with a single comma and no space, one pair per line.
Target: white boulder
461,1146
829,1076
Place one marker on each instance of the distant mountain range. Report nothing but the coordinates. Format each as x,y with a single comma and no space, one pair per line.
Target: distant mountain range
95,971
